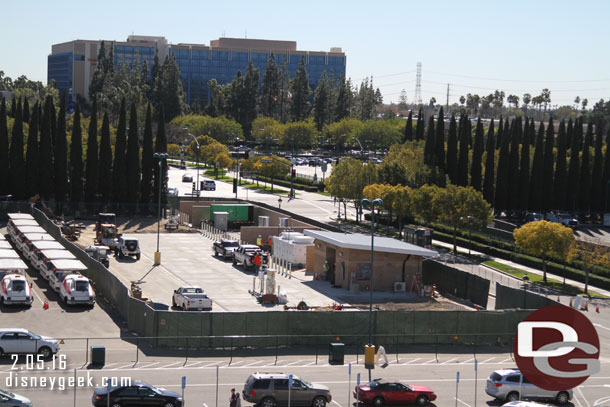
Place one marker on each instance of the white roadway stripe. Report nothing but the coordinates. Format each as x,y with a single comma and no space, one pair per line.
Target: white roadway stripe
293,363
148,365
466,404
254,363
485,361
448,361
131,364
507,360
467,361
583,396
37,296
601,326
212,364
171,364
411,361
428,362
337,403
232,363
194,364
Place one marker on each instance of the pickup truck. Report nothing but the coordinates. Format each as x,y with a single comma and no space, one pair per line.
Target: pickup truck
191,298
245,255
225,248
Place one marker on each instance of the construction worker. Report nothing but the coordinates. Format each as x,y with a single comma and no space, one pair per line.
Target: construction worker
259,241
269,243
257,262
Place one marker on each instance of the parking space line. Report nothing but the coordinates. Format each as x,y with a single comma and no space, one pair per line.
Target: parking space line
149,365
294,363
411,361
430,361
124,366
467,361
448,361
212,364
254,363
466,404
485,361
583,396
236,363
171,364
337,403
507,360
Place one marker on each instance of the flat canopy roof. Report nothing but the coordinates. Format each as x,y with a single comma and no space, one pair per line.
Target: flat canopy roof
20,216
363,242
31,229
57,254
38,236
8,254
25,222
68,264
5,245
47,244
12,264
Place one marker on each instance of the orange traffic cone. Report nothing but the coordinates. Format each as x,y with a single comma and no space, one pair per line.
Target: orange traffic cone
558,299
587,306
597,308
570,303
46,303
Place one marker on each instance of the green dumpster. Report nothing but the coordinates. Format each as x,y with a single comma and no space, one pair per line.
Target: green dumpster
336,353
98,355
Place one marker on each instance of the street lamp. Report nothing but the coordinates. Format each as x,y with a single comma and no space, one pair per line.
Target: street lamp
162,157
198,152
525,279
369,350
279,202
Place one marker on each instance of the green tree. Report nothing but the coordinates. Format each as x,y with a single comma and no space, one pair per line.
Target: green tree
605,176
4,152
16,161
250,90
342,132
513,165
119,167
26,110
161,147
267,131
488,182
419,129
501,199
597,198
560,185
544,239
60,158
169,90
524,170
461,207
76,160
274,167
32,159
322,103
221,129
298,135
584,190
421,203
91,168
452,150
378,134
429,158
348,180
402,204
344,101
105,163
500,131
548,161
573,172
147,163
270,89
132,159
408,128
464,142
45,150
215,106
536,198
439,142
477,157
299,86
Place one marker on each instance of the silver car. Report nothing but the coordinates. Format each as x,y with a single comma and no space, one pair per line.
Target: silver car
18,340
271,390
506,384
8,399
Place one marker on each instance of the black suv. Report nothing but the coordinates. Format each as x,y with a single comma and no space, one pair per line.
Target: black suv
271,390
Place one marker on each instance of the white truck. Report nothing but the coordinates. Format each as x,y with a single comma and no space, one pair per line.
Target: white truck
191,298
14,289
244,255
76,289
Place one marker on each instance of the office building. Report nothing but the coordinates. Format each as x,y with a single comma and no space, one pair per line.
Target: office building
72,64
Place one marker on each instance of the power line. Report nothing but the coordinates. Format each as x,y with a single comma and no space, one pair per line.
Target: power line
518,80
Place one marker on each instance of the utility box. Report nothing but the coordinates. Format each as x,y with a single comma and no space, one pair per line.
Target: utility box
284,222
263,221
98,355
336,353
221,220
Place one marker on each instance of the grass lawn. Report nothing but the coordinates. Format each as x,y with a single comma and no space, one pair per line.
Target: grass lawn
324,193
535,278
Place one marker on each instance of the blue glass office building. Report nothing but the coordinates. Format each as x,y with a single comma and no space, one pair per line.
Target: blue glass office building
72,64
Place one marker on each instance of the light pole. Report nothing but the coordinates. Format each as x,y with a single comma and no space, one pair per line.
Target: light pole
198,152
162,157
279,202
369,350
525,279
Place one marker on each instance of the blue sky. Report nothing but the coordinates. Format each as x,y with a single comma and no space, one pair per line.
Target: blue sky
475,46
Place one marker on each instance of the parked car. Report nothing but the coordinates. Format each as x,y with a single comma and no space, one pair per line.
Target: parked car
525,404
76,289
380,392
271,390
58,269
39,258
172,191
187,177
225,248
8,399
127,247
564,218
532,217
19,340
191,298
209,185
244,255
14,289
506,384
99,253
136,394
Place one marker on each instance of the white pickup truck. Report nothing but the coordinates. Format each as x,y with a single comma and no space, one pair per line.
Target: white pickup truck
191,298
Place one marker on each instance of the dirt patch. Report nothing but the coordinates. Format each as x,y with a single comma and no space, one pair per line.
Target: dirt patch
417,304
129,226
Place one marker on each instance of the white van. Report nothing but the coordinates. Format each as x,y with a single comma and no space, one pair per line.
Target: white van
42,257
24,239
14,289
59,269
14,225
34,247
76,289
12,266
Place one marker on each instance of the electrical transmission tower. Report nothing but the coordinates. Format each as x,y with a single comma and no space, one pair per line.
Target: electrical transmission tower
418,85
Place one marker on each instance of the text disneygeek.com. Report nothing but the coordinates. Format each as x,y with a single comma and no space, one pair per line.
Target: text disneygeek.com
23,381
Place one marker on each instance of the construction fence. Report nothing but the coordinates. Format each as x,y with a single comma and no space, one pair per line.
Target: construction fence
512,298
461,284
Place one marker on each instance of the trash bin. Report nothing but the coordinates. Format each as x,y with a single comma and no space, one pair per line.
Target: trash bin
98,355
336,353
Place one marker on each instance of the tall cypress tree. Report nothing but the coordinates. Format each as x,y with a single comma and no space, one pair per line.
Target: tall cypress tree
560,183
429,158
76,160
147,163
439,141
524,169
548,161
160,147
53,124
26,110
119,175
16,161
513,165
31,156
4,166
60,158
536,198
477,156
419,130
606,174
299,104
488,181
46,169
500,131
584,191
569,134
14,104
452,150
91,171
105,163
462,165
573,174
270,89
133,159
408,136
597,199
501,198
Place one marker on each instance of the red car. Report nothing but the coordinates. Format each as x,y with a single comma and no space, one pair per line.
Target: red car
379,392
